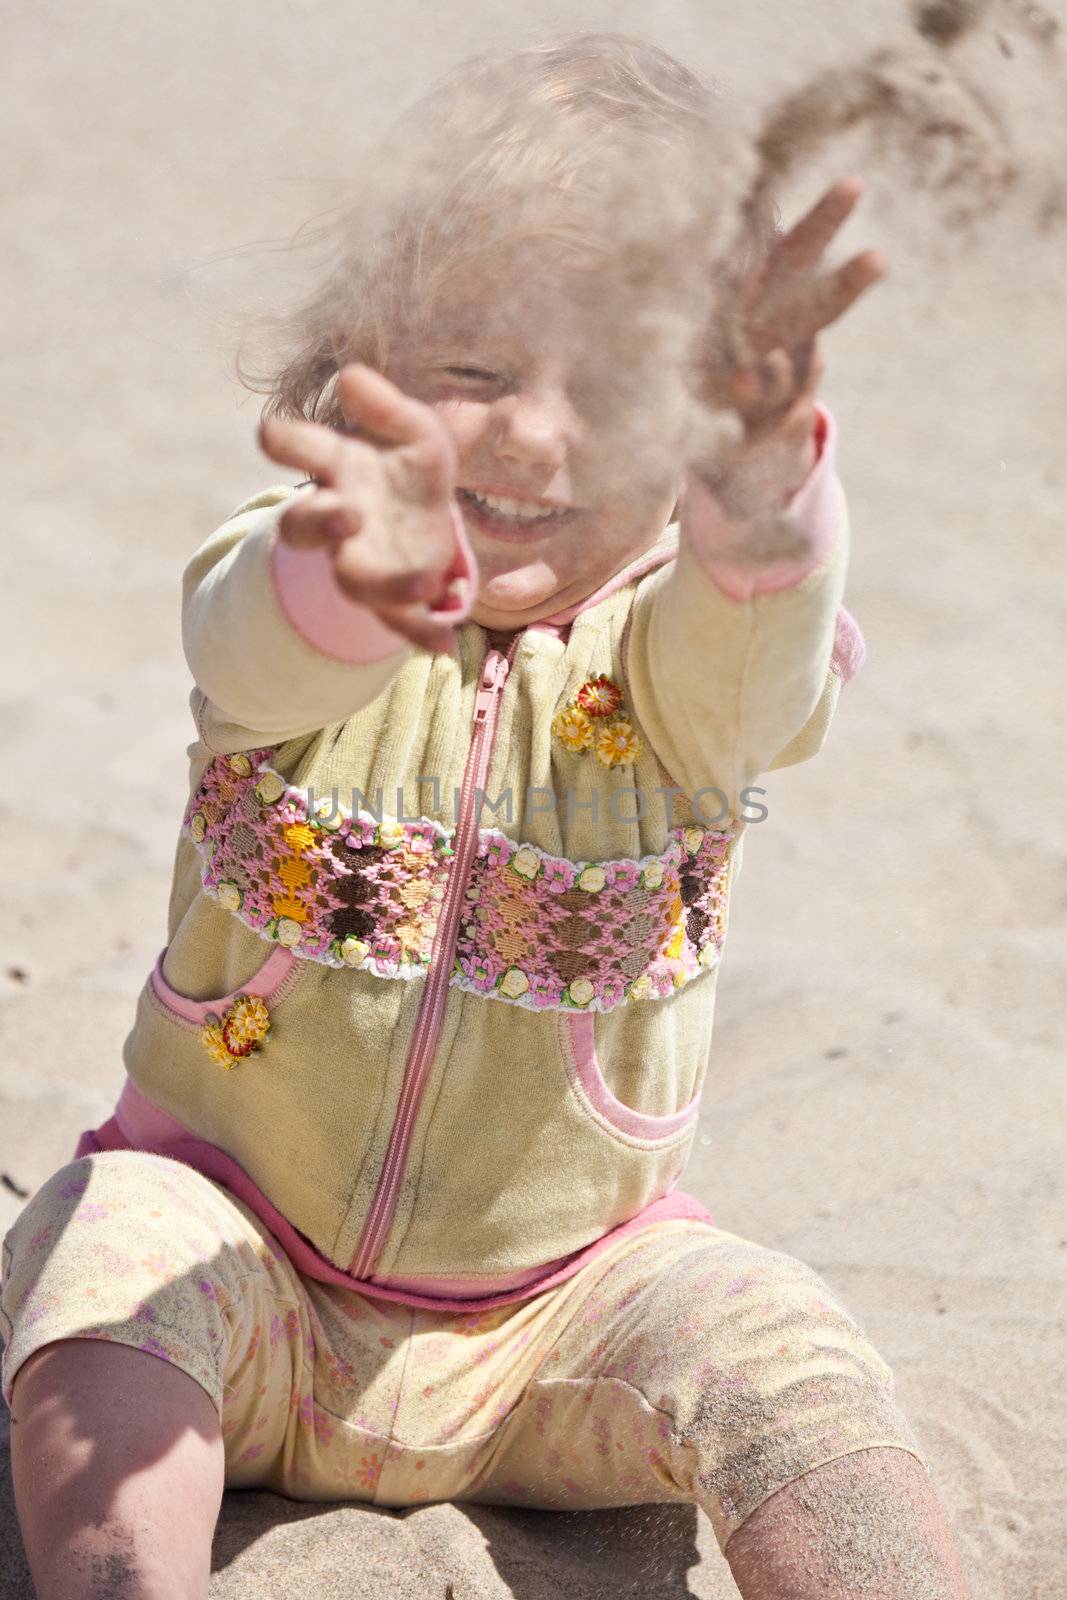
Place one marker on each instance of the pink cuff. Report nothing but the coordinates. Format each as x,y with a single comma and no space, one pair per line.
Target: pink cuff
344,629
850,649
706,526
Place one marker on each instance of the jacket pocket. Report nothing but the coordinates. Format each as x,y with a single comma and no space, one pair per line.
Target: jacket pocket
577,1039
230,1026
274,980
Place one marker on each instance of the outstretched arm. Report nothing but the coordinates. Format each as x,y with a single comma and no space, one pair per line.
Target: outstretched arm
299,610
731,646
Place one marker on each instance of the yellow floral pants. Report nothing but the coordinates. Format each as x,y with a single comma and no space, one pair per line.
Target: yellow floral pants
682,1364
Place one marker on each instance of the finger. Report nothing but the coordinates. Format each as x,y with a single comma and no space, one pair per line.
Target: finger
803,246
778,393
413,623
822,300
319,519
378,588
363,574
306,446
376,407
833,294
776,378
772,382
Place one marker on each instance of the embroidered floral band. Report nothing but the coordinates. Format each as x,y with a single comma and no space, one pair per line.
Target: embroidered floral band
536,930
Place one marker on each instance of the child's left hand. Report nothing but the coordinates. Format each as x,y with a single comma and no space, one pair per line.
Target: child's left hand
784,306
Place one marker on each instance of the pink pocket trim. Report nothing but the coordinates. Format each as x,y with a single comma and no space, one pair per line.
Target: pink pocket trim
265,983
577,1030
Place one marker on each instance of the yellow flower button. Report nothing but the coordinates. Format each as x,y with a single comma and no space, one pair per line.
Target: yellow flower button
353,951
581,991
653,875
526,862
198,826
229,895
240,764
514,983
573,728
288,932
328,816
270,788
592,878
617,744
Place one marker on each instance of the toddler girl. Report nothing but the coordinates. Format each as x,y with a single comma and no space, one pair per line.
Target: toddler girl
388,1206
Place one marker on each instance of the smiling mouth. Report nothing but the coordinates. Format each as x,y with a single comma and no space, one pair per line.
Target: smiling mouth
514,519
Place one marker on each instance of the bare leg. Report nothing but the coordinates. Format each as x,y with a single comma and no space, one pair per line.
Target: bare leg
118,1466
864,1527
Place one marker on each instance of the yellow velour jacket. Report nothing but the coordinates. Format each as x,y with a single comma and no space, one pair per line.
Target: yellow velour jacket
445,932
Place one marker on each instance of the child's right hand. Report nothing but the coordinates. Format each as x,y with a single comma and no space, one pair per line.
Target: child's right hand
383,507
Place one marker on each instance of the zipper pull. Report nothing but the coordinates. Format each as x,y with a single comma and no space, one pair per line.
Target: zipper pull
494,671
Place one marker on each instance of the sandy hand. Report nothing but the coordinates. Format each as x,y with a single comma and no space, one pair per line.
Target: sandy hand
784,306
383,505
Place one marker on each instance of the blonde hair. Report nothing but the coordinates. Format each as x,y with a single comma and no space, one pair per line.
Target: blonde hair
602,143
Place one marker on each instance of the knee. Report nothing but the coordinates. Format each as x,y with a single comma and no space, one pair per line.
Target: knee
108,1180
735,1311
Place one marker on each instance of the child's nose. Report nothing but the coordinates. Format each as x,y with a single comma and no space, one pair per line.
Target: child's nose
537,429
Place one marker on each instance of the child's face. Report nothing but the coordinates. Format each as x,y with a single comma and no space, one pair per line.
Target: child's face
520,368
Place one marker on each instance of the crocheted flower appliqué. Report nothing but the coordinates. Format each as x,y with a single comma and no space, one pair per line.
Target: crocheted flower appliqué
599,696
573,727
617,744
238,1032
589,722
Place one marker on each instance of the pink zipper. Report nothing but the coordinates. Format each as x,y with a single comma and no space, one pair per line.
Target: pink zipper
495,669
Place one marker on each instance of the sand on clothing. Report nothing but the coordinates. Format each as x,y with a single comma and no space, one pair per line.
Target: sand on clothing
886,1094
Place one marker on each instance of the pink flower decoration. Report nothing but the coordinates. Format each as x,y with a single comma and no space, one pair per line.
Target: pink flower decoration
546,990
482,971
559,875
613,990
623,874
498,850
386,952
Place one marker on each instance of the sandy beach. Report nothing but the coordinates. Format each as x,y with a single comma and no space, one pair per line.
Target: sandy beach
886,1094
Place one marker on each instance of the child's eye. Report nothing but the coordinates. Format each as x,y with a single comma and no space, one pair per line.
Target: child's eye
473,374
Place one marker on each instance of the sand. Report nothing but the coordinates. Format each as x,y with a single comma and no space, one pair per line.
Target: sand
886,1095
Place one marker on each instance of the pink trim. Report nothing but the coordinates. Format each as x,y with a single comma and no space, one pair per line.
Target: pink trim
815,505
578,1029
343,629
266,982
495,669
850,651
143,1124
140,1114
